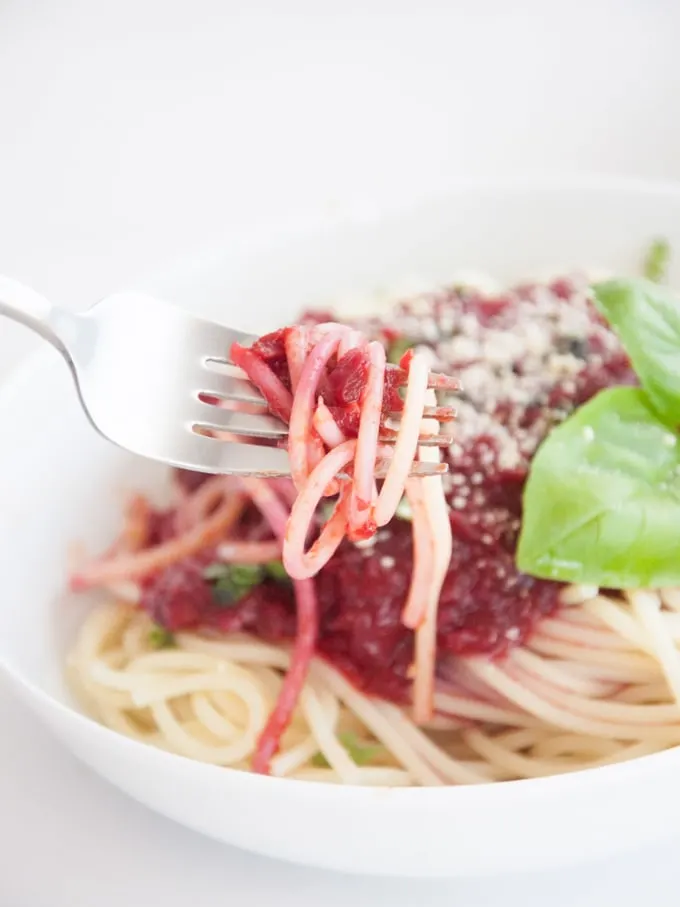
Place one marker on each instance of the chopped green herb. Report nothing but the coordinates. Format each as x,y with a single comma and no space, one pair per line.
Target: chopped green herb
277,571
231,582
397,349
224,594
320,761
656,261
245,574
160,638
361,752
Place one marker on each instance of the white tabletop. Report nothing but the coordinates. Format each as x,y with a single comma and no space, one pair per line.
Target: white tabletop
132,130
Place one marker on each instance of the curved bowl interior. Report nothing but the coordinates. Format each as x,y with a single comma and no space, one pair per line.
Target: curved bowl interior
60,483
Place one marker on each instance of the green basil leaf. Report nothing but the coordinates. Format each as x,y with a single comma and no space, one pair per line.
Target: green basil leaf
602,502
657,260
647,319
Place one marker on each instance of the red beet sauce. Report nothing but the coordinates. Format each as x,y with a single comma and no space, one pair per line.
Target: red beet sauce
486,605
341,388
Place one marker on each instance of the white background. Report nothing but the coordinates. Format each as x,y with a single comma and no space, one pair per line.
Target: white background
132,131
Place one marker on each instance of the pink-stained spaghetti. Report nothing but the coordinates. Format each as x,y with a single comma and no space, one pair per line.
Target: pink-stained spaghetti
322,446
341,628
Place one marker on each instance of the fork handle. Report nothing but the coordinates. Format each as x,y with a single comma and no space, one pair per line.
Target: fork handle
24,305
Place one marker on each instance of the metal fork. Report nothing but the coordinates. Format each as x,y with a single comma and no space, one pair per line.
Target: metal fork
146,372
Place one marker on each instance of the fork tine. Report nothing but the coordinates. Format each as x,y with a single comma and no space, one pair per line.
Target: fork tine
217,418
213,455
264,425
440,413
443,382
418,469
435,379
229,387
232,387
389,436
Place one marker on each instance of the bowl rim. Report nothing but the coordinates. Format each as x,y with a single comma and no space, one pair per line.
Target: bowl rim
43,360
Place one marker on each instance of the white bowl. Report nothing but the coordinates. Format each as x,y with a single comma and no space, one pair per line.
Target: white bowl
59,482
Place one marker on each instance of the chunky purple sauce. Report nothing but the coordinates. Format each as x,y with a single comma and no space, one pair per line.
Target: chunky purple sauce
526,358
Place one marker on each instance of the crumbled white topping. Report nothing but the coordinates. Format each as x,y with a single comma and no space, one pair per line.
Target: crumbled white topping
460,348
518,355
502,348
563,366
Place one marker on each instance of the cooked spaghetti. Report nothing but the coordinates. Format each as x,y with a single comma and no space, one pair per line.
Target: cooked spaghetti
379,633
